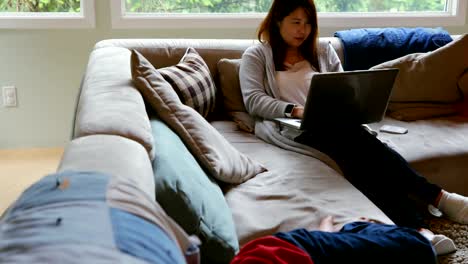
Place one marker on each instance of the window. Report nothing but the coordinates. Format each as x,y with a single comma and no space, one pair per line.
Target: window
248,13
261,6
46,13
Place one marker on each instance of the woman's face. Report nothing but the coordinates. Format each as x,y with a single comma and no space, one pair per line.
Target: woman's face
295,28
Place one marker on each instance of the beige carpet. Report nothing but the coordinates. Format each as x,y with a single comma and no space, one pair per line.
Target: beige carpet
457,232
19,168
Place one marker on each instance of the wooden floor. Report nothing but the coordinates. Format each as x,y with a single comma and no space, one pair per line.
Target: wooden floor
19,168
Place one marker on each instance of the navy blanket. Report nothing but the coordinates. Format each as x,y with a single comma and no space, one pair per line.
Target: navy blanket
367,47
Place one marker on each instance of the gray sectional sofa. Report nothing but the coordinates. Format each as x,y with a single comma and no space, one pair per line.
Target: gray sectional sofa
296,191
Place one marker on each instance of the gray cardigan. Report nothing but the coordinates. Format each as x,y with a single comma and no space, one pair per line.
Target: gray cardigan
261,94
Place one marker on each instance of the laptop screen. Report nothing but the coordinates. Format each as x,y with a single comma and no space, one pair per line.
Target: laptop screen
348,97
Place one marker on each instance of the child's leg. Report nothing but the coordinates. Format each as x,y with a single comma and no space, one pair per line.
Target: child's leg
441,244
362,242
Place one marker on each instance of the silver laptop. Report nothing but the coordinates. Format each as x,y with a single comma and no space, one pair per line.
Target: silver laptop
348,97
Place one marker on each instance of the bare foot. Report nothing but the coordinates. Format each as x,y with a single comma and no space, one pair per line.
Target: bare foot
327,224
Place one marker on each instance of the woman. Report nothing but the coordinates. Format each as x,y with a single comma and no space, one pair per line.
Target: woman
275,77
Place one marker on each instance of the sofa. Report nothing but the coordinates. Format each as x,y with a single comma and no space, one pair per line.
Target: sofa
118,132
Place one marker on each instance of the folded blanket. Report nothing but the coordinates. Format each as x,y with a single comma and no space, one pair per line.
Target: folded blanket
364,48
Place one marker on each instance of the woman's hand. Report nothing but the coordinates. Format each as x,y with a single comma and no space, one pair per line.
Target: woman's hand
297,112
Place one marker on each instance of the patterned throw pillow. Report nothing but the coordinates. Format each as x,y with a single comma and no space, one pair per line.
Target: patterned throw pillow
214,152
191,79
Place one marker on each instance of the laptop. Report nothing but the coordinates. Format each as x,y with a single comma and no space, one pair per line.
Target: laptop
349,97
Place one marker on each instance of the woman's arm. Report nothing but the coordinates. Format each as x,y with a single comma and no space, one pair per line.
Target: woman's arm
252,76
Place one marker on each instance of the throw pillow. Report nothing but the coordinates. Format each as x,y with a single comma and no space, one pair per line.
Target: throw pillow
463,84
192,198
210,148
191,79
228,71
418,111
432,76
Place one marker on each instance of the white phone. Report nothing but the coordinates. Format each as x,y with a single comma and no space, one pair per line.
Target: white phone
393,129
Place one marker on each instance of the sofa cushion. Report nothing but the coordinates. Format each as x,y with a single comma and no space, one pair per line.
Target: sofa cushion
192,81
432,76
297,191
436,148
109,103
210,148
109,154
191,197
228,71
463,84
417,111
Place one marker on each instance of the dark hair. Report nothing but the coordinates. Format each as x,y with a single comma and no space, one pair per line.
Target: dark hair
269,31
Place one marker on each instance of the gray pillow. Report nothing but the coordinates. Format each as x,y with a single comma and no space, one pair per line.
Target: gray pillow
431,76
228,71
223,162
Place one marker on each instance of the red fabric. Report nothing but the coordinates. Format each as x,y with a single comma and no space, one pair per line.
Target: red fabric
271,250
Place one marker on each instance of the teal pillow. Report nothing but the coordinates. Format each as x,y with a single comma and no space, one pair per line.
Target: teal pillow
191,197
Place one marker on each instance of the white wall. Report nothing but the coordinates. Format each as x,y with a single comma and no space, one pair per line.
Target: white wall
46,67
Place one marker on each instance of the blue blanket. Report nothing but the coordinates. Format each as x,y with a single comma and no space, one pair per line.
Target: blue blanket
367,47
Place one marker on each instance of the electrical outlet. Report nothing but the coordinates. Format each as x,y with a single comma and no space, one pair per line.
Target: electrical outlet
9,96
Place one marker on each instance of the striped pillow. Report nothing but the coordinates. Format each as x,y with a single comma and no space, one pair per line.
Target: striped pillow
191,79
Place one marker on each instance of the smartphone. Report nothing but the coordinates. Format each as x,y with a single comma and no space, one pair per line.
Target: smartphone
393,129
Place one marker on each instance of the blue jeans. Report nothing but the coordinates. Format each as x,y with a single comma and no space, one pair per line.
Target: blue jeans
378,171
364,243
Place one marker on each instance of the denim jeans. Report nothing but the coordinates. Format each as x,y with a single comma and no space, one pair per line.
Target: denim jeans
364,243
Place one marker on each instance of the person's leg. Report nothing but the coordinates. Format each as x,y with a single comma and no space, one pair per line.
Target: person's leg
356,149
376,170
364,243
442,245
454,206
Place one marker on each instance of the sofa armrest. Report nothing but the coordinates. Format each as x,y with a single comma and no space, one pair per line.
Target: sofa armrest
109,103
124,159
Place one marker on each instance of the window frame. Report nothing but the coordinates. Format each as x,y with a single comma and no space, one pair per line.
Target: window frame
456,15
45,20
